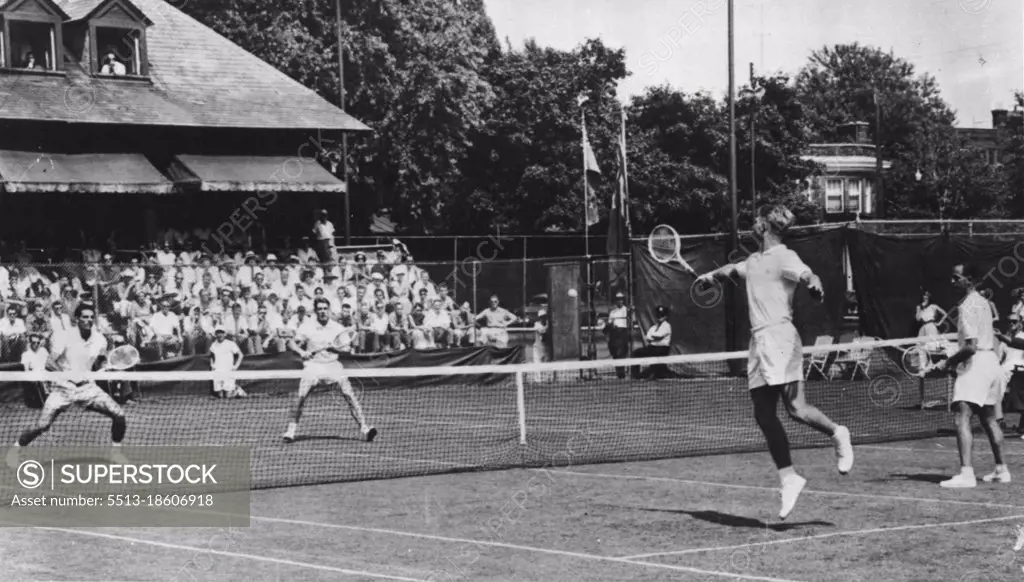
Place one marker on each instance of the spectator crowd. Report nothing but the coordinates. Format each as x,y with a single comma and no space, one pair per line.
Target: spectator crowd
169,303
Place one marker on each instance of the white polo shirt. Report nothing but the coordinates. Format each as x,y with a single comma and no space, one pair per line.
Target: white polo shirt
317,337
976,322
224,355
34,361
437,319
163,325
77,354
772,277
663,328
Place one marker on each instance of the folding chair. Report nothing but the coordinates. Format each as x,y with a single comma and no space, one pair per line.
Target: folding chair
856,358
819,360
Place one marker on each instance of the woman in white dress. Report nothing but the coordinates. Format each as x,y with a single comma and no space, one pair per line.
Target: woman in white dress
930,316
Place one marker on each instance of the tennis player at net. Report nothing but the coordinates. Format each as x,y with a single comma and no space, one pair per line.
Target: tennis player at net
775,366
82,349
317,342
978,383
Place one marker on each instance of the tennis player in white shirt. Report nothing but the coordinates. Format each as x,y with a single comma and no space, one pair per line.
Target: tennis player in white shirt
978,383
775,367
225,356
82,351
317,343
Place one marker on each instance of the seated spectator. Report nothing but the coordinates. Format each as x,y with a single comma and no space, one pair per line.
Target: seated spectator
164,255
422,335
382,266
398,327
237,326
138,331
363,327
378,339
38,321
494,322
197,331
300,317
465,326
165,328
658,340
424,284
360,270
439,322
152,287
12,334
30,63
249,305
264,336
35,356
447,302
178,291
60,322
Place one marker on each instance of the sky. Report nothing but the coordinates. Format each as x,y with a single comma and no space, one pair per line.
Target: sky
974,48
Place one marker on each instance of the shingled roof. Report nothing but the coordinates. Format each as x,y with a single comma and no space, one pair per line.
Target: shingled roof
198,79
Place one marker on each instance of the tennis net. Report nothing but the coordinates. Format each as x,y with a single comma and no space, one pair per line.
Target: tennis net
447,419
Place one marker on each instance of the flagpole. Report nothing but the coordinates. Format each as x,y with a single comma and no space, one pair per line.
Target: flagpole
731,331
591,348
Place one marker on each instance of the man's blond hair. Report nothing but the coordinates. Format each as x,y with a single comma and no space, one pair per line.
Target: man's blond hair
778,217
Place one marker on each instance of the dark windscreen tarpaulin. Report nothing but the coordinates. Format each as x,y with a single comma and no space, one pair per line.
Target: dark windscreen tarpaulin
698,316
890,274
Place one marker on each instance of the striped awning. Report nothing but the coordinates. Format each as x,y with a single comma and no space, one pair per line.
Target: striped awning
254,174
31,172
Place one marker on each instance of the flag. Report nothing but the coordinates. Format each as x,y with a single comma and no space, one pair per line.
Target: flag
618,218
589,167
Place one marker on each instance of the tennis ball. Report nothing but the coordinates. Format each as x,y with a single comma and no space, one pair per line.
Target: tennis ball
573,293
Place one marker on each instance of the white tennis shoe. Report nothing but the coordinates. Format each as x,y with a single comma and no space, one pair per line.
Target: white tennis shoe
289,435
963,480
1000,475
14,457
844,449
791,488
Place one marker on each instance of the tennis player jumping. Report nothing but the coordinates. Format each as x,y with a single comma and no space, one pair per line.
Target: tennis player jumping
775,365
978,382
317,343
82,349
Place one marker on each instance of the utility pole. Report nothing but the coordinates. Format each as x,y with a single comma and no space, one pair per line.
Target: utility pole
344,134
753,165
732,338
879,196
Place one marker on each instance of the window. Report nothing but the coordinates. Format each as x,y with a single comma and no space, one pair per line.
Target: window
31,45
833,195
854,195
119,51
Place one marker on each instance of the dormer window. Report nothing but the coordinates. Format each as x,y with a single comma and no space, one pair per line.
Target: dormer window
30,36
117,32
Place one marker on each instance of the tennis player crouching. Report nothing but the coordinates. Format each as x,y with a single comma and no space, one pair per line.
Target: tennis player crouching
317,343
82,349
978,385
775,365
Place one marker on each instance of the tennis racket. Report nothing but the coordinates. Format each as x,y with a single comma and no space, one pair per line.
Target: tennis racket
123,358
917,361
664,245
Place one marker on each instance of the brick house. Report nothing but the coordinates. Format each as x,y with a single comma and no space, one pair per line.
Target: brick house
129,116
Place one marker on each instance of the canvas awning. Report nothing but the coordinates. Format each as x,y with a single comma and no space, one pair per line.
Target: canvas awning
80,173
254,174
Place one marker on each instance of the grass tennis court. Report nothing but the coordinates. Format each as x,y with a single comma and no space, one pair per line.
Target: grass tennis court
619,480
707,518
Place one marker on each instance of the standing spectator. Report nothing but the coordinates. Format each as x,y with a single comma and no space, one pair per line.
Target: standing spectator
658,341
540,343
12,334
225,356
617,330
323,233
495,321
166,331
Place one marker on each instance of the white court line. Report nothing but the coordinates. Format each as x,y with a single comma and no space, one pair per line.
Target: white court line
279,561
776,489
952,449
876,530
518,547
403,459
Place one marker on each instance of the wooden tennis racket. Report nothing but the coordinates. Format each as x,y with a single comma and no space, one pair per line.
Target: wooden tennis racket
123,358
665,247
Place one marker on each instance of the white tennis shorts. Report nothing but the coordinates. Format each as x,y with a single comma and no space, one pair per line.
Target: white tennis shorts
64,394
776,356
324,373
979,380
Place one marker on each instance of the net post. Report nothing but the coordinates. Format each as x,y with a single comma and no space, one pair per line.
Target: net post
521,405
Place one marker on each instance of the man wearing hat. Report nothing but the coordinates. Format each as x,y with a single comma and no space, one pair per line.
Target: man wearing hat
617,330
323,235
657,342
225,356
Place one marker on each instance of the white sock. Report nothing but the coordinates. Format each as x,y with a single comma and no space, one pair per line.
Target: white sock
1001,468
787,473
967,471
17,444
